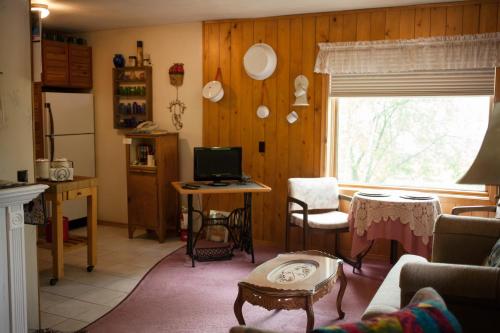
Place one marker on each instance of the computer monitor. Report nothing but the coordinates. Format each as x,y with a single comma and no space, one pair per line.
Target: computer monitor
217,164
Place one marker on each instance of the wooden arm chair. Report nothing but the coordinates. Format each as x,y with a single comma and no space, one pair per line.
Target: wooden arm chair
468,209
313,205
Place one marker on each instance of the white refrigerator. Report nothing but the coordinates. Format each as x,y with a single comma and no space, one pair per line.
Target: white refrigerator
70,122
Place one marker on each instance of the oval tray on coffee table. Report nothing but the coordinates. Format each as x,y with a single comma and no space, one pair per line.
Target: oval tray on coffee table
292,281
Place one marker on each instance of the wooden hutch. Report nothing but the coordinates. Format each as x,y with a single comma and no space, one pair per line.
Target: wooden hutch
153,204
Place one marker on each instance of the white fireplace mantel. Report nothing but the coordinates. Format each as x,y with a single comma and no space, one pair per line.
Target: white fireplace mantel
13,306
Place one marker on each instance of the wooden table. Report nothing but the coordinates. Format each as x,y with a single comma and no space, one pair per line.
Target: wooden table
57,193
233,188
292,281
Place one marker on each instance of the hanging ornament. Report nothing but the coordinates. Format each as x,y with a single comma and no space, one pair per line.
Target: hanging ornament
177,107
176,74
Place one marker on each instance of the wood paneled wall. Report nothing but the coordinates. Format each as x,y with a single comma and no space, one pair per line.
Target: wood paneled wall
296,150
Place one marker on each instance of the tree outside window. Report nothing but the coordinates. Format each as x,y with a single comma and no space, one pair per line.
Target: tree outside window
410,141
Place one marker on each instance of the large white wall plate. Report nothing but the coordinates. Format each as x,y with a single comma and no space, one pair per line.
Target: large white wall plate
260,61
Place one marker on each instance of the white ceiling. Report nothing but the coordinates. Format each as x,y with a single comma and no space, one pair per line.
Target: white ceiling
91,15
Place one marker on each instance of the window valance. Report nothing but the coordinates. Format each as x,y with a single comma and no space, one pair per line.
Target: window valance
422,54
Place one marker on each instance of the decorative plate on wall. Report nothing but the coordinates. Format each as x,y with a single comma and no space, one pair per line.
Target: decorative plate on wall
213,91
260,61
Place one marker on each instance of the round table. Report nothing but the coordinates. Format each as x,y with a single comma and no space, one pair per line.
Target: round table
399,216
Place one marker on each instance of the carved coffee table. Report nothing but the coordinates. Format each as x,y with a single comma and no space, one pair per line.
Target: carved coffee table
292,281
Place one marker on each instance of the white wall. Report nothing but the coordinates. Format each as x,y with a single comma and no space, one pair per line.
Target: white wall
166,44
16,139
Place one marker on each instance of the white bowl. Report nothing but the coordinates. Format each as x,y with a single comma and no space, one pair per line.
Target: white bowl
213,91
260,61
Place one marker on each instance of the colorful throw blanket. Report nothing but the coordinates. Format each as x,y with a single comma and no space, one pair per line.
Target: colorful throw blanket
425,317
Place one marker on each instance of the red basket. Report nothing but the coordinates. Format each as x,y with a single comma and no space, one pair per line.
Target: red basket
48,230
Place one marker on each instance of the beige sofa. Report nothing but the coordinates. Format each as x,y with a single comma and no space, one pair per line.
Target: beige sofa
471,291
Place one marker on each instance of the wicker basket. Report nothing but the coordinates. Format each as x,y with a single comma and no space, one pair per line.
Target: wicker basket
209,251
176,79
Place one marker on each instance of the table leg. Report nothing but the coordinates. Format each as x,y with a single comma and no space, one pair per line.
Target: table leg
394,251
57,239
310,314
343,285
238,306
248,210
92,229
356,264
190,250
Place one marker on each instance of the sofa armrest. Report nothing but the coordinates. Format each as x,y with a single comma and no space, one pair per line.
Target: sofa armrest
462,284
464,239
468,209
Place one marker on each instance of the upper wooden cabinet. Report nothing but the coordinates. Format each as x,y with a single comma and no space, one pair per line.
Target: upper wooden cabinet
66,65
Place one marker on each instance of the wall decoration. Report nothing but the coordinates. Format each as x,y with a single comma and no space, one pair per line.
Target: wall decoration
213,90
292,117
301,85
119,60
262,110
177,107
176,74
260,61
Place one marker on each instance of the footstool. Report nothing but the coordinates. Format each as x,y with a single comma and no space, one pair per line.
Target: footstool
292,281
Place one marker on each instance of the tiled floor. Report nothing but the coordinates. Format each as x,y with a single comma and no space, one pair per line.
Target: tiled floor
81,297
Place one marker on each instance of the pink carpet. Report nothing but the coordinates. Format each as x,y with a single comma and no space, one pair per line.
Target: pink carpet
174,297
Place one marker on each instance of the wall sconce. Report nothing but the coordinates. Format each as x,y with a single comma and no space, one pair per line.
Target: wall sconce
42,8
301,85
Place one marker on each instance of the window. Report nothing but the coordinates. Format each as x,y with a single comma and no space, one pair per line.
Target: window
426,142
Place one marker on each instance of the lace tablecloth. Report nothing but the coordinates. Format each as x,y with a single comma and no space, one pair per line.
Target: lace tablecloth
408,221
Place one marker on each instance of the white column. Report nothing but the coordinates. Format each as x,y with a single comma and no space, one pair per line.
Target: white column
17,273
13,309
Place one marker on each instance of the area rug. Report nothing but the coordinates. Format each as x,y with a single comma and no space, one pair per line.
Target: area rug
174,297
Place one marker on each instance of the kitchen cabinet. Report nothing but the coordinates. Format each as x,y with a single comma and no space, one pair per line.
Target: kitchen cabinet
80,66
152,202
66,65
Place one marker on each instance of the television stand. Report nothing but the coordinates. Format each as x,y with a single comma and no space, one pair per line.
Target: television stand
216,183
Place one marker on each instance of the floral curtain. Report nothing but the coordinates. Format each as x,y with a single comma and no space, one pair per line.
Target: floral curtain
422,54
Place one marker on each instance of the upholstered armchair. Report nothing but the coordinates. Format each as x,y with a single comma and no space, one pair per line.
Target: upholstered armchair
313,205
471,290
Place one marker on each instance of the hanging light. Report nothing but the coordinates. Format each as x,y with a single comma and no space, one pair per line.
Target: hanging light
42,8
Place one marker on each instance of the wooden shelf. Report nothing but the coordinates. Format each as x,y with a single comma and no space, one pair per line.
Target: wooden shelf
131,96
129,69
130,120
131,81
142,168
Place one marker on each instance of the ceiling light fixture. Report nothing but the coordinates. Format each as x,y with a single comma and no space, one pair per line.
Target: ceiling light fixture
42,8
